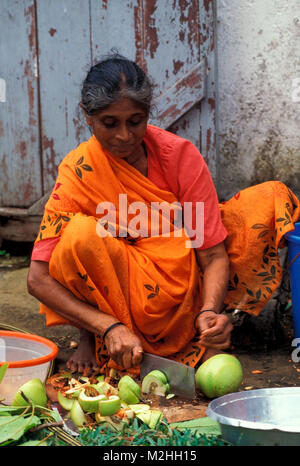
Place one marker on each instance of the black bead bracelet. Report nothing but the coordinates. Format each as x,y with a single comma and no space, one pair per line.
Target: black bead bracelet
110,328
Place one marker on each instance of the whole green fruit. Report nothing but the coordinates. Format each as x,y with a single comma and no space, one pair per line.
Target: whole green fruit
219,375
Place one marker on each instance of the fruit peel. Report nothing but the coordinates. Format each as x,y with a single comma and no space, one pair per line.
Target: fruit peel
105,388
34,390
90,403
65,402
77,414
150,417
109,406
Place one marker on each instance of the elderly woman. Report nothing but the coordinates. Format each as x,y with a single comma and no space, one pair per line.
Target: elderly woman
101,264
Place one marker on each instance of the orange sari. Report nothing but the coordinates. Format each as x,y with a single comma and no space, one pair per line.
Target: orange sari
152,283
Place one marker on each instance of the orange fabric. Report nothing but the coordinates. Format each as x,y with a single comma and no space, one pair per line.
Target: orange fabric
257,219
152,284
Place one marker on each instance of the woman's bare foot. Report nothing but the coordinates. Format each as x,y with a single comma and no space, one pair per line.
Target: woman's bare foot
84,359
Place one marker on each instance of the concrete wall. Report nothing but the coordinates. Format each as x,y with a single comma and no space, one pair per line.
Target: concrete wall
258,56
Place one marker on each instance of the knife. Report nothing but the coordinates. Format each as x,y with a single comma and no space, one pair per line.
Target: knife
181,378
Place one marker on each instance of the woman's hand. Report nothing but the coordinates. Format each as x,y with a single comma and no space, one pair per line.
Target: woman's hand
214,329
124,347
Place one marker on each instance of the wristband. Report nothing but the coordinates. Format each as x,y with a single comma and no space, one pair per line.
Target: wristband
110,328
204,310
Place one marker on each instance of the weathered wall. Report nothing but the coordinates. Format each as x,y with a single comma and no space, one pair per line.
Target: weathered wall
258,50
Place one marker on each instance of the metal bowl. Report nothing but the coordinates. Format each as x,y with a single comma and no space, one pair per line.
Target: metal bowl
268,416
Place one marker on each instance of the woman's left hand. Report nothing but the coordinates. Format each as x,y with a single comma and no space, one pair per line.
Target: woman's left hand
214,329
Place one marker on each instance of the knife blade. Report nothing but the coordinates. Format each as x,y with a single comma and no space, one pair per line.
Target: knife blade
181,378
68,425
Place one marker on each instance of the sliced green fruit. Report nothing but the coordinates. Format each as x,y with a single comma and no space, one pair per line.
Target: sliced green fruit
128,396
90,403
117,423
65,402
100,378
110,406
34,390
112,422
155,383
129,390
77,414
124,405
76,387
83,379
155,419
105,389
73,392
219,375
100,419
125,415
140,408
128,381
151,417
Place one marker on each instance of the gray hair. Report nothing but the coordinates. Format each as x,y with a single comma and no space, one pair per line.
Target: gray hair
113,78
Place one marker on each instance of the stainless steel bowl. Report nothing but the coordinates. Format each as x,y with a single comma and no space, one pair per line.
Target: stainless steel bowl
268,416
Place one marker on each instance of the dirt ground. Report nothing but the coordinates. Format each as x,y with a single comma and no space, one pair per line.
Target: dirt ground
262,343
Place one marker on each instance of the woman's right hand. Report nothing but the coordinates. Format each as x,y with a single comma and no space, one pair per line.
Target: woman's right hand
124,347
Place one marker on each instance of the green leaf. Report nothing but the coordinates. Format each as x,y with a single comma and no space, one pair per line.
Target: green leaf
203,425
6,410
3,369
13,427
33,443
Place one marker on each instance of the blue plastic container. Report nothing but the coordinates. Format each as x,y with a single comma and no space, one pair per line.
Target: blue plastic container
293,239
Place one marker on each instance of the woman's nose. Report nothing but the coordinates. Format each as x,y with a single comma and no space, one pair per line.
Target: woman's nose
123,134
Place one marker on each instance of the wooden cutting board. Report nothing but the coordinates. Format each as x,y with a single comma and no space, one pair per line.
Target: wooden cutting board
178,409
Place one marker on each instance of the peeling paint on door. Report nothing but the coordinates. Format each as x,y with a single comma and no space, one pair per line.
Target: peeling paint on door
46,61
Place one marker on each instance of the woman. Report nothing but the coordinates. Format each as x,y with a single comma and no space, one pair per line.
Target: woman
96,264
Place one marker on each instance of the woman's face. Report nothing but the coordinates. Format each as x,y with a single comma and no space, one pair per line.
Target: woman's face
120,128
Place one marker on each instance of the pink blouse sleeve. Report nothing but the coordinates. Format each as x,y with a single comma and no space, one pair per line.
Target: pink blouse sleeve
175,164
197,194
42,250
